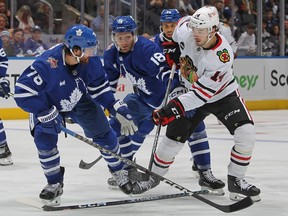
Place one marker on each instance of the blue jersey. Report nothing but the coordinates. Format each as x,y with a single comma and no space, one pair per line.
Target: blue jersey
3,61
145,66
49,81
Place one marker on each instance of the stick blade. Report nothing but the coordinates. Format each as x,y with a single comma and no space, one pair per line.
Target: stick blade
84,165
244,203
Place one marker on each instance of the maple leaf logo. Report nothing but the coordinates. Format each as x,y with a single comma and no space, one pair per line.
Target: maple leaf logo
68,105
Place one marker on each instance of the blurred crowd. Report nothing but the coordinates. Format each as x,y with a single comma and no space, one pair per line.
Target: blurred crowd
23,38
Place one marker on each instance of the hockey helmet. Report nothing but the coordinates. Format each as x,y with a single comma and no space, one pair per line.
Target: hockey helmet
124,24
170,15
81,36
205,17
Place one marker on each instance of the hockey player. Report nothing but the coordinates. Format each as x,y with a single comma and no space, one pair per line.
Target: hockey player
211,60
68,80
142,62
198,141
5,154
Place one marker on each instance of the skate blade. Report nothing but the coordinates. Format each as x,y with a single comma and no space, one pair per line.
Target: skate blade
6,161
113,187
214,192
54,202
238,197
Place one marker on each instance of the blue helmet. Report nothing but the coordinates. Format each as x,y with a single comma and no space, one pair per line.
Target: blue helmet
123,24
81,36
170,15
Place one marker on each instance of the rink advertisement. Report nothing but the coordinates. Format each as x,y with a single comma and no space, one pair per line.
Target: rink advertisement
263,83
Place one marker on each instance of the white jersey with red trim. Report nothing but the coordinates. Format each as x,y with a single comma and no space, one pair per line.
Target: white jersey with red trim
213,68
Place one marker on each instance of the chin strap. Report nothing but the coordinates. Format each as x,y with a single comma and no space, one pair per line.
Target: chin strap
77,57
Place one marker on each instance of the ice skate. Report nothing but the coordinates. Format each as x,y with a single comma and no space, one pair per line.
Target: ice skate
239,189
51,194
207,181
140,187
134,175
122,180
5,156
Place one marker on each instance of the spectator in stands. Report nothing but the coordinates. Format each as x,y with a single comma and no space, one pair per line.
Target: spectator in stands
273,5
286,37
3,22
152,18
244,14
7,43
276,40
41,15
219,4
186,8
34,46
4,10
247,42
18,42
171,4
84,22
267,41
97,26
23,19
269,19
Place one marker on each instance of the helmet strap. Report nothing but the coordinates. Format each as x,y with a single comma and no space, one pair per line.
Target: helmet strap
77,57
210,36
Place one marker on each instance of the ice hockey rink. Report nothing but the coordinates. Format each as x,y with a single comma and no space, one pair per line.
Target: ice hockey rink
268,170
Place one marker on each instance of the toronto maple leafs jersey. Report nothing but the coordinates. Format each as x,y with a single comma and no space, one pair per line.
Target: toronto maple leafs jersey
3,61
145,66
213,68
48,81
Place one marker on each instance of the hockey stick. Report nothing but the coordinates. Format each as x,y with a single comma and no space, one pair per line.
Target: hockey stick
155,143
39,205
244,203
84,165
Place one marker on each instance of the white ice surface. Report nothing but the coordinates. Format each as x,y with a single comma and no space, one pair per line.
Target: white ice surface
268,170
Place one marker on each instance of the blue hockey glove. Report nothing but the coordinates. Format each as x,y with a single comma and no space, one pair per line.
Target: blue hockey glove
173,110
4,87
50,120
124,117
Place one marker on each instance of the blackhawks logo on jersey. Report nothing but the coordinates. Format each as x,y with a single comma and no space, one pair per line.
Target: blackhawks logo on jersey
223,55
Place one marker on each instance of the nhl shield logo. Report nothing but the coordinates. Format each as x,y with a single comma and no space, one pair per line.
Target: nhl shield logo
53,62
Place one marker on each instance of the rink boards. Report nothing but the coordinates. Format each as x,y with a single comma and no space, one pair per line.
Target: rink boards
263,83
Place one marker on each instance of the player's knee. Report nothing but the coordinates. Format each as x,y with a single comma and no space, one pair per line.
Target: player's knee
168,149
244,138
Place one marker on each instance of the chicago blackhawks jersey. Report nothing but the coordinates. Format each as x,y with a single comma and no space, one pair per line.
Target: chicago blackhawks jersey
213,67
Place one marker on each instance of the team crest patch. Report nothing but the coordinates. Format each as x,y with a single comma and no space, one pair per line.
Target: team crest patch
223,55
53,62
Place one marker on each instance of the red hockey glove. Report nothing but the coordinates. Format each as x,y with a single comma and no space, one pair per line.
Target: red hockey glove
172,53
173,110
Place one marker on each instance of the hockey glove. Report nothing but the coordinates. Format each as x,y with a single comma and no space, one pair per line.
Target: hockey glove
4,87
172,53
173,110
124,117
50,120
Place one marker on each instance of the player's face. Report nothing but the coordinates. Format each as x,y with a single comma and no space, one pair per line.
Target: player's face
200,35
125,41
168,28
